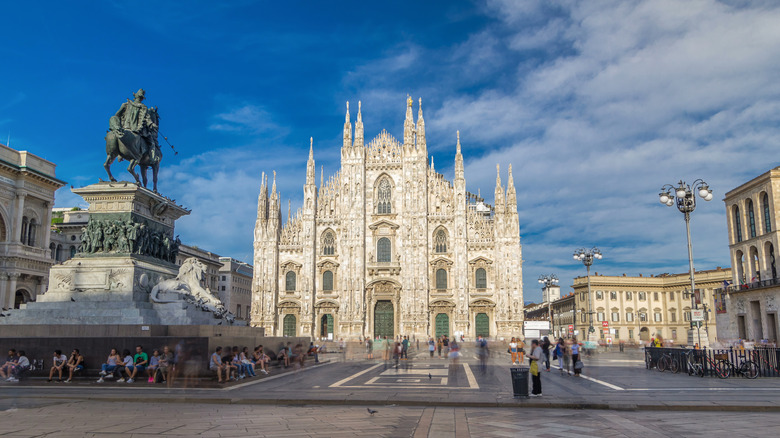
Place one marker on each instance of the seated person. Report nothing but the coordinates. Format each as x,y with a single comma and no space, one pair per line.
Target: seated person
154,363
246,361
140,362
261,359
10,362
22,365
231,370
111,365
215,364
284,357
59,360
75,363
166,362
127,364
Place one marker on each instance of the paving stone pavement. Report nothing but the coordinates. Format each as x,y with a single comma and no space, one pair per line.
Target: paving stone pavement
129,420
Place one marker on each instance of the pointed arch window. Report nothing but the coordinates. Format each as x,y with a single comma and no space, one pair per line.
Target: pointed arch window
767,217
328,243
441,279
481,278
383,250
289,282
751,218
31,232
327,281
23,237
384,197
440,241
737,224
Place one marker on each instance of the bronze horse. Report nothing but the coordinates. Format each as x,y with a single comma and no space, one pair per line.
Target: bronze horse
134,148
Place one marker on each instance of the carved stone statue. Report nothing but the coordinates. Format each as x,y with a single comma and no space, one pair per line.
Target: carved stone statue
190,286
132,136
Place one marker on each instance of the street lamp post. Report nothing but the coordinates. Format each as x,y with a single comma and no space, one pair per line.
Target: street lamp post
586,256
683,195
547,281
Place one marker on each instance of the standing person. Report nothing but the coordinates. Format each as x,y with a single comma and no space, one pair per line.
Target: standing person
483,353
546,349
567,356
439,345
388,347
405,351
431,346
575,356
59,360
558,353
537,355
513,351
446,344
520,350
369,348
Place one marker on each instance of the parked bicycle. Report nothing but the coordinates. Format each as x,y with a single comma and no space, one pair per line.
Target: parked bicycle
668,362
747,368
694,363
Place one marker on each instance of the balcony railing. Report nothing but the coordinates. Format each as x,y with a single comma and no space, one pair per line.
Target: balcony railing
748,286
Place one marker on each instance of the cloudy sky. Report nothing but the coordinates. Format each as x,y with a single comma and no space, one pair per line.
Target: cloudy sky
596,105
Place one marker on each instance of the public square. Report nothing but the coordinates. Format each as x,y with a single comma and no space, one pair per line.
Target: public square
615,397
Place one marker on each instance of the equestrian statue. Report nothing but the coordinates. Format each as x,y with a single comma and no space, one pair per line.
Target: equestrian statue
132,136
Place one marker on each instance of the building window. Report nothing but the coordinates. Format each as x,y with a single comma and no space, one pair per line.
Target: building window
600,316
686,315
441,279
72,251
628,295
672,316
674,334
440,241
643,316
617,333
481,278
630,333
751,218
613,296
657,316
383,253
582,296
655,296
642,296
630,316
31,233
384,197
289,283
223,278
328,243
737,224
599,295
767,217
238,311
327,281
615,316
583,316
23,236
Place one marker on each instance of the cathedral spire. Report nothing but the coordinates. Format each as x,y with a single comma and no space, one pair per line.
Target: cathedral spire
459,174
511,195
347,129
359,128
310,164
421,143
409,124
289,210
322,173
499,200
433,169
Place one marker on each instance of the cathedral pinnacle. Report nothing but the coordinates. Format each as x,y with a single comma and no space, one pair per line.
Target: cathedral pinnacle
359,116
347,129
459,174
310,164
273,189
311,148
498,176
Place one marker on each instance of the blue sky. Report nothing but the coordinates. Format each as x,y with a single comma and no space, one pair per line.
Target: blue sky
596,104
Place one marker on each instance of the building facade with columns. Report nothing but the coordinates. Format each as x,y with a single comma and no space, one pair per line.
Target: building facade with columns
749,309
388,247
633,309
27,186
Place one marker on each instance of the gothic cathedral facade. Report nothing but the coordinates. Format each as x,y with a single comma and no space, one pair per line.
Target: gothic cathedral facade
388,247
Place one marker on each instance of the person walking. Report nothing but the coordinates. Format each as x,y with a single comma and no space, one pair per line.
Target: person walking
405,345
575,356
513,351
431,346
537,355
546,349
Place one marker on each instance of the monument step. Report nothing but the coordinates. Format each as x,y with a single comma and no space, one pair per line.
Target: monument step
87,305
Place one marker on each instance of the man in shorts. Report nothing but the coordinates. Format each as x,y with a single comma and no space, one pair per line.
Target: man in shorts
140,360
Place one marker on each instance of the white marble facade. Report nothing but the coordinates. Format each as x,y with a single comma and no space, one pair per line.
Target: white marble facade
388,247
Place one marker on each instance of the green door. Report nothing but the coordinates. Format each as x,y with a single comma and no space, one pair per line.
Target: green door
384,319
326,325
288,325
482,324
442,325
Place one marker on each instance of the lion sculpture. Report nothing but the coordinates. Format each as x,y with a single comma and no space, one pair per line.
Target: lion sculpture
190,285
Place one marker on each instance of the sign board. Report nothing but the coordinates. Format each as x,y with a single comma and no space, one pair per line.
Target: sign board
571,329
531,334
536,325
697,314
605,324
697,297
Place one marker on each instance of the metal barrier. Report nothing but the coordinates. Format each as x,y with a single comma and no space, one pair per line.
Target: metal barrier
766,358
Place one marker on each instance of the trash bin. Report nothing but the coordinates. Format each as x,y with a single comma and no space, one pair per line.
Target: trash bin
520,381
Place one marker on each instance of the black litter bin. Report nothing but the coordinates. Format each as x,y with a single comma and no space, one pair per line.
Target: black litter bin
520,381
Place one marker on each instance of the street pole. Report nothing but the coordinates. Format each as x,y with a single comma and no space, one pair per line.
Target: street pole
590,306
690,265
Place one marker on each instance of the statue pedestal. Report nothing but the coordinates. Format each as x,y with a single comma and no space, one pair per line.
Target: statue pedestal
128,248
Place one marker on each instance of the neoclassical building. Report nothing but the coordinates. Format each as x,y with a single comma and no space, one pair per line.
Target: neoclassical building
388,247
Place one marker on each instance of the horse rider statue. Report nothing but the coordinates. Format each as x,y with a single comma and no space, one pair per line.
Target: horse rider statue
132,136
